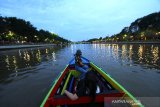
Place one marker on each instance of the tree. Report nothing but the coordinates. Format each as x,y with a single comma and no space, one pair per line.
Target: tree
12,28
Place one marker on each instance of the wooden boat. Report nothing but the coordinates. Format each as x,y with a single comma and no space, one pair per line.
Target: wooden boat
111,92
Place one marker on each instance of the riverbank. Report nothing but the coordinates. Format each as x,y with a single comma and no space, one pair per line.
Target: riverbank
135,42
23,46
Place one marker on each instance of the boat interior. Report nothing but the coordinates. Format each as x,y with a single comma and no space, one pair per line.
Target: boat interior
68,82
108,90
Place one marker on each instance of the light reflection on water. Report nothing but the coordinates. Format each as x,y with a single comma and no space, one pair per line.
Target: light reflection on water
53,56
146,55
22,60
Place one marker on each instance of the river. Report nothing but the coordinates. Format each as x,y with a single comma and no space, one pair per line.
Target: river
27,74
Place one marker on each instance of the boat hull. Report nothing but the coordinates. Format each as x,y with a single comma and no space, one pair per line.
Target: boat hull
110,89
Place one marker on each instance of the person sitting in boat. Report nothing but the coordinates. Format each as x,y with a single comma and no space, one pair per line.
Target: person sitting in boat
86,86
79,66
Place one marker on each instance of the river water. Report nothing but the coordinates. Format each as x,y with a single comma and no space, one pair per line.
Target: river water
26,75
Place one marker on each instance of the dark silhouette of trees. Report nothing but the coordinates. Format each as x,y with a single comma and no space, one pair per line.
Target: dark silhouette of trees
17,30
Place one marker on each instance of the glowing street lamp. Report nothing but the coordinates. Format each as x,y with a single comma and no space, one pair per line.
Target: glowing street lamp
124,36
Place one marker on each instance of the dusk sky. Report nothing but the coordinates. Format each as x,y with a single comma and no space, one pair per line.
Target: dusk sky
78,20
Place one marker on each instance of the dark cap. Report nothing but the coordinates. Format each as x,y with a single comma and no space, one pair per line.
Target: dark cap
78,52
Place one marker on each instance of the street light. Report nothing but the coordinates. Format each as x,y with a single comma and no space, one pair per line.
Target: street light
124,36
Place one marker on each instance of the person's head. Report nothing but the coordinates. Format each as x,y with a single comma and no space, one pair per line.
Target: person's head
78,52
91,84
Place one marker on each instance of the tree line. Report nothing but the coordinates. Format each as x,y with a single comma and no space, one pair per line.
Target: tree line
17,30
146,28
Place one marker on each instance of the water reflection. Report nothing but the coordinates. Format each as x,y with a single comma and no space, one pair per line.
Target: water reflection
53,56
7,62
146,55
38,55
26,56
47,56
115,50
15,63
140,53
130,53
22,60
124,50
73,48
19,51
155,51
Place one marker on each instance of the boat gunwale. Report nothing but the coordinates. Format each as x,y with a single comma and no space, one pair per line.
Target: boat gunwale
120,87
49,94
